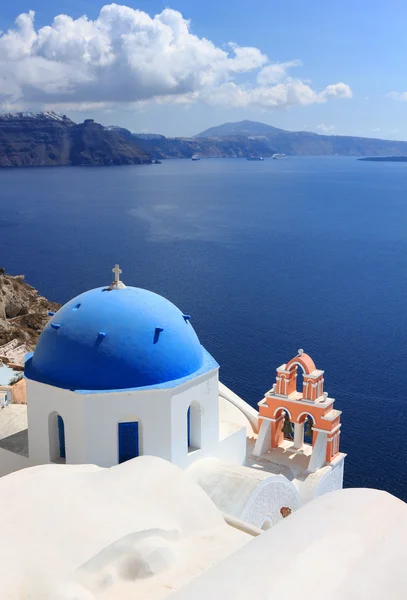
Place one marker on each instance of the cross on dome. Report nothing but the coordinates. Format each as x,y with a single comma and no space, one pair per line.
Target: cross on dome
117,271
116,283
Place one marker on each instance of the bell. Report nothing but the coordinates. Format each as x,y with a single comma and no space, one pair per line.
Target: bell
308,429
288,428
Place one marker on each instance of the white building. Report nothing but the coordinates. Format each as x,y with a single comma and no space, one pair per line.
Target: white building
119,372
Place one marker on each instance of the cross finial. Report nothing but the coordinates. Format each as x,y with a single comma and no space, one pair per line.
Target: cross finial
300,352
117,271
116,283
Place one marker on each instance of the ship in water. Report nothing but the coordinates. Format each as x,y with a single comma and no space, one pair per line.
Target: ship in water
195,157
278,156
255,158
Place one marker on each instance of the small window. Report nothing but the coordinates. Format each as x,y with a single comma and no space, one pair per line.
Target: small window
194,433
61,436
56,433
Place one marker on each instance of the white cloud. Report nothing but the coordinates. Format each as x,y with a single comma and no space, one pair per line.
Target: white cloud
275,72
336,90
287,93
6,107
125,56
245,59
77,106
326,129
402,97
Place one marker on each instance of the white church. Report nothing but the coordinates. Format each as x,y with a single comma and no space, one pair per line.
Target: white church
134,472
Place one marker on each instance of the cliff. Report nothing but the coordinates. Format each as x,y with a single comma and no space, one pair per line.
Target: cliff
48,139
93,144
266,140
23,312
34,140
248,138
162,147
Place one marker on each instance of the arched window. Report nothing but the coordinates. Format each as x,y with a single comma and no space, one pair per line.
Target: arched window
287,426
308,423
128,440
194,426
300,379
308,433
56,436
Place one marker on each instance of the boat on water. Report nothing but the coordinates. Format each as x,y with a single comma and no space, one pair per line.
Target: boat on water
278,156
195,157
255,158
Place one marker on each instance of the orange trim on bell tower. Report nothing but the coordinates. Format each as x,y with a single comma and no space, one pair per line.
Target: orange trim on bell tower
283,402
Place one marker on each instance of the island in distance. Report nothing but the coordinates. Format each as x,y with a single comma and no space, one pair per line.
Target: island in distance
50,139
385,158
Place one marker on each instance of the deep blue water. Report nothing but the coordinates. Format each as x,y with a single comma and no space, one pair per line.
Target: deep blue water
266,257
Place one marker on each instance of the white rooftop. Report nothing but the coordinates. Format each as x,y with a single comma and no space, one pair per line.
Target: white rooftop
345,545
141,529
144,529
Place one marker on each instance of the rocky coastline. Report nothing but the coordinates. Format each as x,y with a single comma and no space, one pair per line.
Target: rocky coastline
23,311
48,139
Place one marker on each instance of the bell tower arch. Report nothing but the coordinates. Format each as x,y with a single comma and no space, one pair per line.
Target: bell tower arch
300,421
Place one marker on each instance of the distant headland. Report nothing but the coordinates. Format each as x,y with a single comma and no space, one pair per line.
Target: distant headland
385,158
50,139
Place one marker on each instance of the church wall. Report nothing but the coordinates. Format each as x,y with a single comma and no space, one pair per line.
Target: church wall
151,408
326,479
205,393
233,448
332,480
42,401
91,423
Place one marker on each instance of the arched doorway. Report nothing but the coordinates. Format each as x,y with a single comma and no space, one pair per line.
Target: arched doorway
56,434
194,431
128,440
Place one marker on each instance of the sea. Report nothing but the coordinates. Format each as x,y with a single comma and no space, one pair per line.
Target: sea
267,257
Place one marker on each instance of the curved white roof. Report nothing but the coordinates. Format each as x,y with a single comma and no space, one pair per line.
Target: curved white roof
80,532
345,545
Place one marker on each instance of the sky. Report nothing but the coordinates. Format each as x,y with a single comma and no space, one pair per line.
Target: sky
180,66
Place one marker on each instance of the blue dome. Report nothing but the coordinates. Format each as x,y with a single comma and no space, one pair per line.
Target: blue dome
116,339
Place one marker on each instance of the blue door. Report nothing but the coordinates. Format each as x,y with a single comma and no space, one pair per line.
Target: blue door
128,441
189,426
61,435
